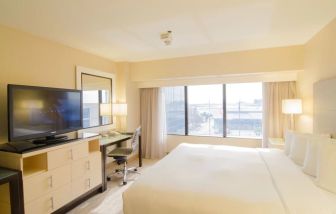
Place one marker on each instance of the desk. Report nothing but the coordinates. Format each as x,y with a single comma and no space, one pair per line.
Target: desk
115,140
14,178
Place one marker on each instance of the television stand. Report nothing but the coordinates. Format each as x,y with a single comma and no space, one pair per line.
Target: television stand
51,140
55,162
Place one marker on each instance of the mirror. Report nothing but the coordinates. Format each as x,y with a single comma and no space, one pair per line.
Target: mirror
97,99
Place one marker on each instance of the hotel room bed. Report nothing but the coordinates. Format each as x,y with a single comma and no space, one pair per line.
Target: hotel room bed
195,179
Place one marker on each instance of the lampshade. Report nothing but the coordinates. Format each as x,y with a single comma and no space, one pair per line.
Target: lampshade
119,109
292,106
105,109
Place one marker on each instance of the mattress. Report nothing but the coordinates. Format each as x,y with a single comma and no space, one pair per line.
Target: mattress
214,179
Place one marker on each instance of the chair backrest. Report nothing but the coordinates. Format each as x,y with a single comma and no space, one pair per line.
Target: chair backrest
135,138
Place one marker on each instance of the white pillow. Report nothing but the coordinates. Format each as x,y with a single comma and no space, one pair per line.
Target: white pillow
326,165
298,148
288,140
310,162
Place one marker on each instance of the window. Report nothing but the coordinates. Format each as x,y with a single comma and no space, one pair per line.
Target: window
86,117
105,98
175,110
97,90
204,110
244,110
90,108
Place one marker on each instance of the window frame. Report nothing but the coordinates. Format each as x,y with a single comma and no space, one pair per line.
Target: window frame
80,71
186,121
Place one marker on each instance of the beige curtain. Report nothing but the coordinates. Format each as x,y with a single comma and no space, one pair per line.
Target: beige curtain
274,121
153,122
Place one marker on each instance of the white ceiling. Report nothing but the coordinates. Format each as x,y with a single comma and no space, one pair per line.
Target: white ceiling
128,30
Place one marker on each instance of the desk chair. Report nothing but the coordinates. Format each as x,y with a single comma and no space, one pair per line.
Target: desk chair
120,155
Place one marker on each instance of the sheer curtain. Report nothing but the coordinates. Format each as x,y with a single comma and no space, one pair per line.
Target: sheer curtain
153,122
274,121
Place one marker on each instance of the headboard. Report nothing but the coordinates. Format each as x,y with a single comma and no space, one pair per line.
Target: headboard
325,107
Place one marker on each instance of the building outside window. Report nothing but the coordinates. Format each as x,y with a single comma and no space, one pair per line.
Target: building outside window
90,108
244,110
204,110
175,110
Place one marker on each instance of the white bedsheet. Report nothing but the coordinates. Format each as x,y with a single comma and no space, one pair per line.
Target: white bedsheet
195,179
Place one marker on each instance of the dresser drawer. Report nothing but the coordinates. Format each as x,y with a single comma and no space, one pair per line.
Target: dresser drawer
49,202
42,205
80,186
39,185
61,196
80,151
86,183
95,178
86,165
66,155
95,169
95,161
80,168
59,157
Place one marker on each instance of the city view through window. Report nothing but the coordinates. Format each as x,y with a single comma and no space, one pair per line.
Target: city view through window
244,110
205,116
91,104
205,110
175,110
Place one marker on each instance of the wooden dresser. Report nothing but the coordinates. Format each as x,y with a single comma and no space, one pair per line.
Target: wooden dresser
57,176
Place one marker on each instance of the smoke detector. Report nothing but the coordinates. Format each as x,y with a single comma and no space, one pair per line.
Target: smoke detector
166,37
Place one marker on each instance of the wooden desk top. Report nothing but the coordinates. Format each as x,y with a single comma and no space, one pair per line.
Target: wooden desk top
105,141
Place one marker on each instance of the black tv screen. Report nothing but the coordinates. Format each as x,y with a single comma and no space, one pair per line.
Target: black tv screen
35,112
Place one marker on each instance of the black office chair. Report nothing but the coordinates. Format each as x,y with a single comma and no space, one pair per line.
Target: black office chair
120,156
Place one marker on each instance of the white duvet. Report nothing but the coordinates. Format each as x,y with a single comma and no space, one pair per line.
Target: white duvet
195,179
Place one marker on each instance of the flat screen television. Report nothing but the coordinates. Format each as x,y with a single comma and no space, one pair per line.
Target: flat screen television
40,112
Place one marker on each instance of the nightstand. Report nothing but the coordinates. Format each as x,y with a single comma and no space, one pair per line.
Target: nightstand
278,143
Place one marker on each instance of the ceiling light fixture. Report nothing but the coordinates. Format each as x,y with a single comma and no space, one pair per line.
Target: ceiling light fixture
166,37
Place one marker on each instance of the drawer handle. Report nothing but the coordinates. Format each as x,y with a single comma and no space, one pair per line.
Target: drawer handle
50,181
88,165
89,183
52,203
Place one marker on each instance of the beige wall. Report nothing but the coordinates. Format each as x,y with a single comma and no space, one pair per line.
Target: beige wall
320,63
128,92
274,64
243,62
29,60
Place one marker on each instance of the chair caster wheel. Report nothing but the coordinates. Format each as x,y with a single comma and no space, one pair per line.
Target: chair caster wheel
124,182
135,169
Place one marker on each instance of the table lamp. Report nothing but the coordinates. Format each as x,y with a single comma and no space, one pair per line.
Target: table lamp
105,109
292,106
120,110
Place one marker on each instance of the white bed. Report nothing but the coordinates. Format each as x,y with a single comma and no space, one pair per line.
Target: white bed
196,179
